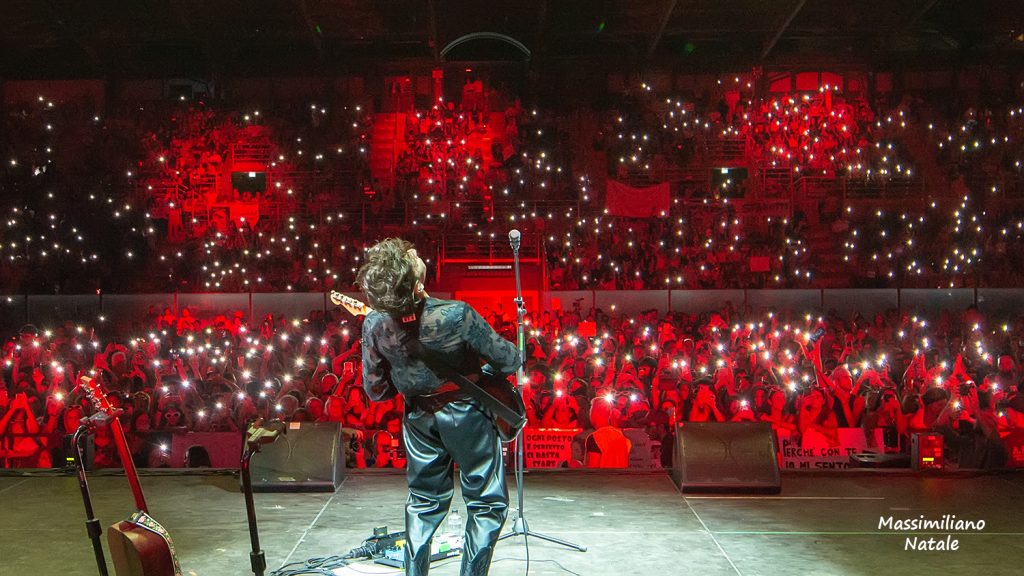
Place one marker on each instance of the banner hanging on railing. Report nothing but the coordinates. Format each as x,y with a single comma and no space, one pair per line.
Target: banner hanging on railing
804,454
548,447
633,202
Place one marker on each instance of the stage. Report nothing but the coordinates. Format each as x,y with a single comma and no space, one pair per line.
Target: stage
632,523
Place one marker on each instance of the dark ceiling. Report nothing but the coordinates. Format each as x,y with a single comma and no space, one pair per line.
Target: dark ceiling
139,38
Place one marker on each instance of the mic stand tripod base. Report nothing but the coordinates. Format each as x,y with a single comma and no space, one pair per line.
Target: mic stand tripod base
521,528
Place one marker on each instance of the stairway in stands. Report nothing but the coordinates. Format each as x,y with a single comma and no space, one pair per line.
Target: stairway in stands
921,144
385,139
826,257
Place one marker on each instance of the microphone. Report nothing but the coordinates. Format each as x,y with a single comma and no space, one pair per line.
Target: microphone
513,238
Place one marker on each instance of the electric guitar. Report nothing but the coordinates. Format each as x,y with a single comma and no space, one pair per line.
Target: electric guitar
139,546
496,393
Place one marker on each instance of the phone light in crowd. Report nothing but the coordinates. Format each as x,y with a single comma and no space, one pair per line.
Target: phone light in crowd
246,374
609,397
163,447
201,413
59,396
165,389
185,383
278,407
633,397
298,362
744,404
559,393
241,395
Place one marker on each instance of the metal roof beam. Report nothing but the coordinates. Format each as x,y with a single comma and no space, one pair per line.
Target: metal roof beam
314,31
782,29
670,7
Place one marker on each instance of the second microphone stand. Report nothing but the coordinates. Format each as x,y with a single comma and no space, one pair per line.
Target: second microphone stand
520,527
92,524
257,436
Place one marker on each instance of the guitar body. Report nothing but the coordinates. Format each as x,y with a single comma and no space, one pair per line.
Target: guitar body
505,392
137,550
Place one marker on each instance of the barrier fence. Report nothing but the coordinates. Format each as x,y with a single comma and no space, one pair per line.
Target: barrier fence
123,310
545,448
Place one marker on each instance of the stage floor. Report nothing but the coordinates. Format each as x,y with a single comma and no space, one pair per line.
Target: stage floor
632,523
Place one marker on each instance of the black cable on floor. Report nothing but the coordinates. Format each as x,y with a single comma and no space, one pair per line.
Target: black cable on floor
555,562
321,565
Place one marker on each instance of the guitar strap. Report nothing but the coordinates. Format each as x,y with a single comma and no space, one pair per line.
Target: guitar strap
145,521
409,338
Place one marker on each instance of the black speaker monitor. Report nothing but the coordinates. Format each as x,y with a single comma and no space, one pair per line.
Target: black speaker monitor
726,457
310,457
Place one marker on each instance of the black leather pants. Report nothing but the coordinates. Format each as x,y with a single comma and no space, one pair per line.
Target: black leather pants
459,433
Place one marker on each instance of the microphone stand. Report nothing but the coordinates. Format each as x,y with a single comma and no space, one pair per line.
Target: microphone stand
520,527
257,436
92,524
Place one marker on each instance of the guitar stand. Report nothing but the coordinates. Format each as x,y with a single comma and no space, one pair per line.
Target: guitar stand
519,526
92,524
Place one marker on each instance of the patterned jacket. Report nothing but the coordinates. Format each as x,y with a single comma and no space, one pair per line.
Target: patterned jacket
451,332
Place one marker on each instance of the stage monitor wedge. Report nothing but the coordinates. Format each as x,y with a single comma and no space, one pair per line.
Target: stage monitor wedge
726,457
310,457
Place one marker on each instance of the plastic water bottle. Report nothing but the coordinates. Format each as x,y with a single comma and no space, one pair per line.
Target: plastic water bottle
453,527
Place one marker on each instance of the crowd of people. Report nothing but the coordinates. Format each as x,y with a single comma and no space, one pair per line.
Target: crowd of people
148,181
809,374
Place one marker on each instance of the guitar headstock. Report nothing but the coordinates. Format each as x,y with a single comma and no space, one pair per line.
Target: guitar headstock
99,399
354,307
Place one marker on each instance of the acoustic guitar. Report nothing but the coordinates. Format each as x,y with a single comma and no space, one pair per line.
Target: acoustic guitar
496,393
139,546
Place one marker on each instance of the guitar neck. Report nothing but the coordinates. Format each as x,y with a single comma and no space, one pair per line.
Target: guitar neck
129,465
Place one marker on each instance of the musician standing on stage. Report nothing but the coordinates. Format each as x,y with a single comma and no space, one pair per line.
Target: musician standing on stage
441,424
